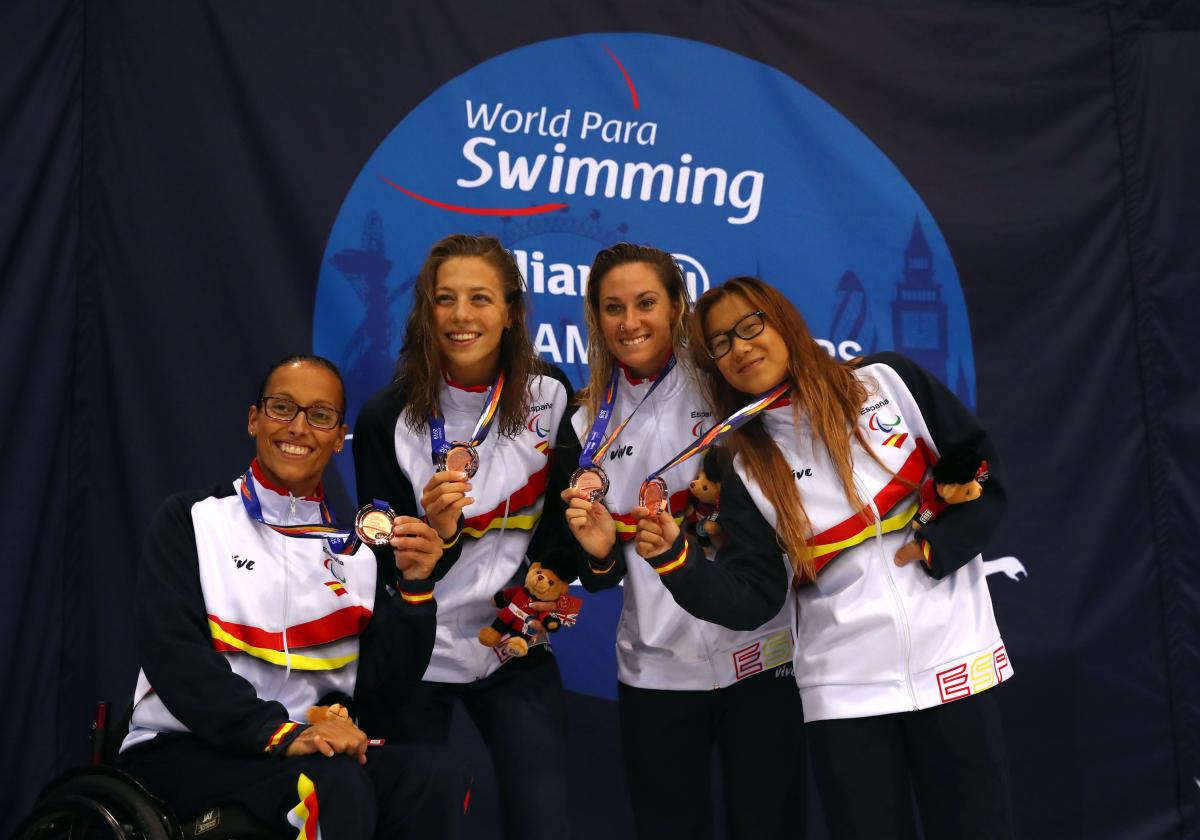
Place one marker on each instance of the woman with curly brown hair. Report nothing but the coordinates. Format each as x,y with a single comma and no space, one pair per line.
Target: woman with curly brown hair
472,418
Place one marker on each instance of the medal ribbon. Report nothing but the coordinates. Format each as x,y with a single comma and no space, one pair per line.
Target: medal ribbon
491,405
596,443
338,538
726,427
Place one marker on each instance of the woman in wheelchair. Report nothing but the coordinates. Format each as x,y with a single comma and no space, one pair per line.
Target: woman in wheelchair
251,607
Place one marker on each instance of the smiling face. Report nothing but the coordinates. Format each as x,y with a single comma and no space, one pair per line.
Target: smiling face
636,314
470,316
292,454
751,365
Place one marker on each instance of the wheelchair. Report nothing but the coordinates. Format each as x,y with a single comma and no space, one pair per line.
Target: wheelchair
100,802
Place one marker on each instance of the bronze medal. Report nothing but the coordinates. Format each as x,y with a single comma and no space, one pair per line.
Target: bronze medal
460,457
374,525
654,496
592,480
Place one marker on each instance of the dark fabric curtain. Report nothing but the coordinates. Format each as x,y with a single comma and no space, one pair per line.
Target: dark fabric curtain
40,132
171,172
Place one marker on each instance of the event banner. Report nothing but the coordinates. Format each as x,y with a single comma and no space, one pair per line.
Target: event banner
980,187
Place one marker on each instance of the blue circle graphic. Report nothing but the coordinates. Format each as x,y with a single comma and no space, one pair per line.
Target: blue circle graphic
563,147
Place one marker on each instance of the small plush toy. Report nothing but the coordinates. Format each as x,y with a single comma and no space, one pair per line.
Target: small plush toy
958,477
316,714
703,512
334,704
541,605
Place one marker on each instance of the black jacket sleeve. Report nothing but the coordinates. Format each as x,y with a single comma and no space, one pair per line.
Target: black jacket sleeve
394,652
595,573
746,584
961,531
377,474
552,543
193,680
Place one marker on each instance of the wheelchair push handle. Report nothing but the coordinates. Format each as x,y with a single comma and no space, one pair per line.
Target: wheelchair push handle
99,731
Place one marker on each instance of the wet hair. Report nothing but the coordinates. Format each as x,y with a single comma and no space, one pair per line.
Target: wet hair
828,391
600,358
307,359
958,466
419,368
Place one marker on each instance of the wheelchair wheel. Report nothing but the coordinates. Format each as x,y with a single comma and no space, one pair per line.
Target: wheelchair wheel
86,802
71,817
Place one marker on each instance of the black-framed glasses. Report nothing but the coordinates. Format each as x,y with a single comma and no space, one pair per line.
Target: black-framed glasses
285,410
747,327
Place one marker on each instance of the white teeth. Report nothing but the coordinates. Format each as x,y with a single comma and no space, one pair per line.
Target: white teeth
293,449
463,336
628,342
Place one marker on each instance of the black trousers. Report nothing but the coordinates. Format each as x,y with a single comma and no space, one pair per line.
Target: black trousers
521,714
402,791
951,757
756,727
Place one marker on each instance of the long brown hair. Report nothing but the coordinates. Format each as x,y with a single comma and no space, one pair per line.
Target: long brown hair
419,370
600,358
827,390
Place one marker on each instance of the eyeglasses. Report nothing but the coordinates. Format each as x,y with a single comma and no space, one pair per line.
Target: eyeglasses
747,327
285,410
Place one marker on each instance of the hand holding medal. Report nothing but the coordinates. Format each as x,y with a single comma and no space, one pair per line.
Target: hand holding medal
590,522
587,517
457,462
443,500
416,547
657,530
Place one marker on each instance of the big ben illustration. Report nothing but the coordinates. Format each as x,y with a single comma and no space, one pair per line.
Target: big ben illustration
918,312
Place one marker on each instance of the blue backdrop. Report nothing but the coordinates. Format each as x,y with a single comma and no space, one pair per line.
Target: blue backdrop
1003,191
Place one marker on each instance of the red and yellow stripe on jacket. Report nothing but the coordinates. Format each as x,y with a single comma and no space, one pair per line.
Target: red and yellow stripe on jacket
523,498
228,636
861,527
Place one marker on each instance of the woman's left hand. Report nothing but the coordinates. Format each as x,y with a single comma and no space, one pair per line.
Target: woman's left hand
655,534
416,547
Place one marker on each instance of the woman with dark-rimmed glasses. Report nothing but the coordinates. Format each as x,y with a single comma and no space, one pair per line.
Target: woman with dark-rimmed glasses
896,641
252,607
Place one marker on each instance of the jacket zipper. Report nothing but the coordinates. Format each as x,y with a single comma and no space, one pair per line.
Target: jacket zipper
287,655
905,633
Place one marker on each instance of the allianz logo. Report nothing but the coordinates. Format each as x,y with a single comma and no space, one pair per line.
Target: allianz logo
547,276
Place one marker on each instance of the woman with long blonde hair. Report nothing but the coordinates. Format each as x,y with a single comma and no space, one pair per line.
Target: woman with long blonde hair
891,629
687,688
